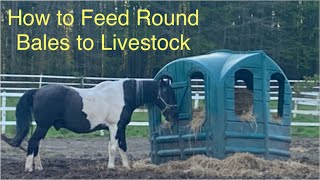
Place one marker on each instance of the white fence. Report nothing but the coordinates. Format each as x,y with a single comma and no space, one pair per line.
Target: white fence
15,88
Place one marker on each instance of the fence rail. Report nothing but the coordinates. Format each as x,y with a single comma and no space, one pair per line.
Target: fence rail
12,89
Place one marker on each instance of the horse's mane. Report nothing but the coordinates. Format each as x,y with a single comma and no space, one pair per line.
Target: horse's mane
148,90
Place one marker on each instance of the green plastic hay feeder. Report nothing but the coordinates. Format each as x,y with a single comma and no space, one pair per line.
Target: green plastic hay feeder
223,132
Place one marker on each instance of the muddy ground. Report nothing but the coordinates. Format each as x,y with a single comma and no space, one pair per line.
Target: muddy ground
87,159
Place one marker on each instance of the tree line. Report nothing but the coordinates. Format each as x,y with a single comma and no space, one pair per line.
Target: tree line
287,31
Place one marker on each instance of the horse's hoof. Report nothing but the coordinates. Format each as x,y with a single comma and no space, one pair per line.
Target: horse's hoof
110,167
127,166
28,169
39,168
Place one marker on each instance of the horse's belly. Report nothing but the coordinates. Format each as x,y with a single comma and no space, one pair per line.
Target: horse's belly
102,115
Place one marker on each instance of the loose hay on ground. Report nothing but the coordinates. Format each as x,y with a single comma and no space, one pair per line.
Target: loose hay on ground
239,165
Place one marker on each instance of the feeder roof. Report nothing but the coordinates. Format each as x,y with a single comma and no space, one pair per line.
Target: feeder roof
218,63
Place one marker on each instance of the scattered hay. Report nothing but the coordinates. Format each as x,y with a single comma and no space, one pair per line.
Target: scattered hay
143,163
239,165
243,164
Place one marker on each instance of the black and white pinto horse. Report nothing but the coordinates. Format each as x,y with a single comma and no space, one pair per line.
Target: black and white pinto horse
108,105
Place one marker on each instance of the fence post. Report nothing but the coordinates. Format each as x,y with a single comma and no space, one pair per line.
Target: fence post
3,113
318,104
101,133
40,81
196,101
82,82
295,107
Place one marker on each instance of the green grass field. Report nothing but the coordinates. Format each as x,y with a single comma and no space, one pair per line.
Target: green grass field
143,131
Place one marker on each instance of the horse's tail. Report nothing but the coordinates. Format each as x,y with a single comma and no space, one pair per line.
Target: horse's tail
24,118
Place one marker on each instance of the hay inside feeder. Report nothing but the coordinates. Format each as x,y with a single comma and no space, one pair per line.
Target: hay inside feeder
198,118
243,109
165,127
244,104
276,118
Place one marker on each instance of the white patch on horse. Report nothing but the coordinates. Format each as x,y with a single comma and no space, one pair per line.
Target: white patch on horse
124,157
103,103
29,163
37,163
37,160
113,145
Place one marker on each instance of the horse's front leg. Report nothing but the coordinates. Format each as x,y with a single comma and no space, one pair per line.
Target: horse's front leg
113,145
123,146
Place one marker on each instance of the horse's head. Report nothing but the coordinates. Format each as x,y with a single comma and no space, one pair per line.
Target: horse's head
166,101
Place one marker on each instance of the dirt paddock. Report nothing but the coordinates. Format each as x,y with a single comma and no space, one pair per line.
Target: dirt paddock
86,158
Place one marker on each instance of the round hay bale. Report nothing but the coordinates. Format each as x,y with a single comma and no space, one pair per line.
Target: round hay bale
243,100
244,104
198,118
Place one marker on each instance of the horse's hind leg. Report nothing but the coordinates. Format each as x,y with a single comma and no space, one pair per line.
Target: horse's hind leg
33,149
37,160
121,136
